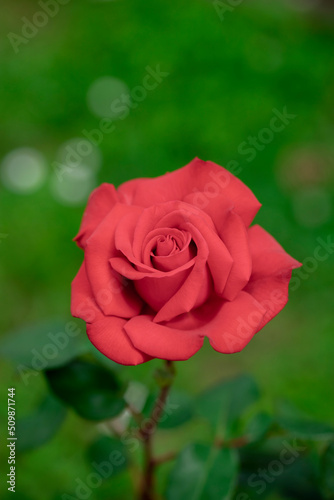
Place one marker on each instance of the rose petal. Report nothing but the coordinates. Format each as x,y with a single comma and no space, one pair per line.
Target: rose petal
100,202
268,257
272,293
228,325
191,294
114,295
198,176
234,324
217,207
175,260
195,289
157,291
219,260
160,341
272,269
234,235
109,337
83,304
122,266
173,215
124,235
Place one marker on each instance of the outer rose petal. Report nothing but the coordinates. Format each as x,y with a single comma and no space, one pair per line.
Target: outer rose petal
235,323
234,235
268,257
271,273
198,176
83,304
109,337
100,202
228,325
272,293
160,341
114,296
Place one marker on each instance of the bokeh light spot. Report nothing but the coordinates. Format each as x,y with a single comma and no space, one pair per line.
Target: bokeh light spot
23,170
80,151
107,97
75,187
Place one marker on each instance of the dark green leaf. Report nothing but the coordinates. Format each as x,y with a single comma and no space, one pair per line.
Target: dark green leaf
177,411
327,473
296,423
92,391
203,473
36,429
107,456
44,345
226,401
258,426
307,429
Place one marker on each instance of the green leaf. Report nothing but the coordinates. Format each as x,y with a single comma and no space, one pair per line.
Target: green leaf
177,411
258,426
107,456
300,426
307,429
226,401
92,391
327,473
45,345
203,473
36,429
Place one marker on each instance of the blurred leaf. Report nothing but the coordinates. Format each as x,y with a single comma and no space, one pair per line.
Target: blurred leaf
226,401
36,429
293,421
108,456
307,429
258,426
45,345
327,472
178,409
92,391
203,473
300,480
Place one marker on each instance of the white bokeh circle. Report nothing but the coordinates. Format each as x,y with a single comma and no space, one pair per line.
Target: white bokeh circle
107,97
23,170
75,187
80,151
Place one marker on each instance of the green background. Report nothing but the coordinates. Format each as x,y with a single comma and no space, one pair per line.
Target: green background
225,78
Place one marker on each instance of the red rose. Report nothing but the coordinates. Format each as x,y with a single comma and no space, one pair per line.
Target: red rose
171,260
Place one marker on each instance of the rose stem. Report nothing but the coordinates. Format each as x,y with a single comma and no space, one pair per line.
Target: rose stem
148,432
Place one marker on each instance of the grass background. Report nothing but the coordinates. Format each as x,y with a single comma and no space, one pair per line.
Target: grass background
225,78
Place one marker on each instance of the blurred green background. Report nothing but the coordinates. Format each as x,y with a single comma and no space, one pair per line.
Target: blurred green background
226,73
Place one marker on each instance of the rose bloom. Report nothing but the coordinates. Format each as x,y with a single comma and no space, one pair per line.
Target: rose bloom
171,260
